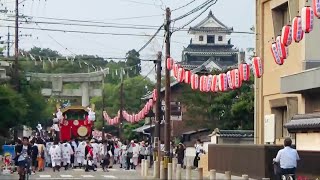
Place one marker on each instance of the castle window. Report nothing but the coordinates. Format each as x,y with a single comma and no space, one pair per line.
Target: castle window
220,38
210,39
200,38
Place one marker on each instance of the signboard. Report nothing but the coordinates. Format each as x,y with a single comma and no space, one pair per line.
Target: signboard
8,151
269,128
175,110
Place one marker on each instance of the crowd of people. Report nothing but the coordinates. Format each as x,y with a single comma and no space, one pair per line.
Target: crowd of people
38,154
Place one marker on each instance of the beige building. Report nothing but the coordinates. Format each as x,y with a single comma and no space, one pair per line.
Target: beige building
290,89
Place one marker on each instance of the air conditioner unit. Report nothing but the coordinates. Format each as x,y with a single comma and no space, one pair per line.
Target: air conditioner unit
269,129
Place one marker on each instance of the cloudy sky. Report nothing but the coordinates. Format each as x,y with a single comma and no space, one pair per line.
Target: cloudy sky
239,14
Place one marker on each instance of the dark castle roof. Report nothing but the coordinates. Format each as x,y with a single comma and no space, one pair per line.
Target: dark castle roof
222,28
210,48
304,122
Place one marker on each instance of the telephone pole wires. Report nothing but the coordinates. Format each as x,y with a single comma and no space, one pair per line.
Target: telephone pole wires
167,129
16,49
157,150
121,106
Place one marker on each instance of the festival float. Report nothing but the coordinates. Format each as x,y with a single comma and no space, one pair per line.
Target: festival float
74,122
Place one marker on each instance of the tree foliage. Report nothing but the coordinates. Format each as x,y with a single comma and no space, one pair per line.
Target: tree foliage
133,89
225,110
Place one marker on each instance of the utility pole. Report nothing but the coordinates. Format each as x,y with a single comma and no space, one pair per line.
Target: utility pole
167,129
103,120
16,48
157,150
8,43
121,105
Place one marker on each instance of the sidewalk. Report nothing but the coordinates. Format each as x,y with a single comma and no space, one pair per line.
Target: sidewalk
194,175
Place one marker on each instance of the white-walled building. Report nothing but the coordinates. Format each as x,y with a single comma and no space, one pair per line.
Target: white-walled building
210,48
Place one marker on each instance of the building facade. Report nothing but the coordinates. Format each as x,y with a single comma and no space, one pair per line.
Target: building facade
210,46
290,89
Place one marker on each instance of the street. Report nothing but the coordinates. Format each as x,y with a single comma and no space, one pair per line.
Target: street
115,173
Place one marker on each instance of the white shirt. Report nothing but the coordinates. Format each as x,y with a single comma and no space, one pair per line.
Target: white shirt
287,157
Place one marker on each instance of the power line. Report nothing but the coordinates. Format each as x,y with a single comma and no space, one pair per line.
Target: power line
184,5
82,32
77,24
198,8
188,23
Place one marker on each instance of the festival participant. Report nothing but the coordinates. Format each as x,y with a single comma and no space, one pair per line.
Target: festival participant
135,157
40,158
55,153
47,153
34,155
73,146
89,157
67,151
80,154
95,148
105,155
23,153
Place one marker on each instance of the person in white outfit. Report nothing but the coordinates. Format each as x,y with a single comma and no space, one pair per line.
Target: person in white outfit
96,151
80,153
67,151
135,156
55,153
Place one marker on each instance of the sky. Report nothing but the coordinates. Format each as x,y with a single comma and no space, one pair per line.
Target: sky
239,14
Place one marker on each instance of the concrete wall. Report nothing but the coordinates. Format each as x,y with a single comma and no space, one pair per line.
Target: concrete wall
235,140
267,89
308,141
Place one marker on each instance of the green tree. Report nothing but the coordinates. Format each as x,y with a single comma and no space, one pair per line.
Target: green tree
13,109
225,110
134,89
133,59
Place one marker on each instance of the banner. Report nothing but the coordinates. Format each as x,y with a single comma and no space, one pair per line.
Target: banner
8,151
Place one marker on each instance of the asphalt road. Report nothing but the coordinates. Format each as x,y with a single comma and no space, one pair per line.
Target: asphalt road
48,174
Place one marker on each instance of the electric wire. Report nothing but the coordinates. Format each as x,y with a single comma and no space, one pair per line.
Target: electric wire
196,17
198,8
183,6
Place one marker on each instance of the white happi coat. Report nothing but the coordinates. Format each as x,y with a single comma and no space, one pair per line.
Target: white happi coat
67,151
47,153
96,151
55,153
80,152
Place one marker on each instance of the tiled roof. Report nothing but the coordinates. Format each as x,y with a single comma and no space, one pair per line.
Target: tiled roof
210,48
304,122
234,133
209,29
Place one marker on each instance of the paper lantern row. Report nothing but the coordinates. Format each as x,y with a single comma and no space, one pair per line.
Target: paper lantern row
132,118
294,32
213,83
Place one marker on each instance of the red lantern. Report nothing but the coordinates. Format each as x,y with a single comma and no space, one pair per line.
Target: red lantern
169,63
316,8
229,79
194,81
215,83
244,70
281,48
223,82
286,35
257,67
209,83
175,70
154,95
275,54
180,77
235,77
307,18
203,83
187,77
297,32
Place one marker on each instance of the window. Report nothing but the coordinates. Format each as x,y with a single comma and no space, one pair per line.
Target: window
281,118
210,39
280,17
220,38
200,38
